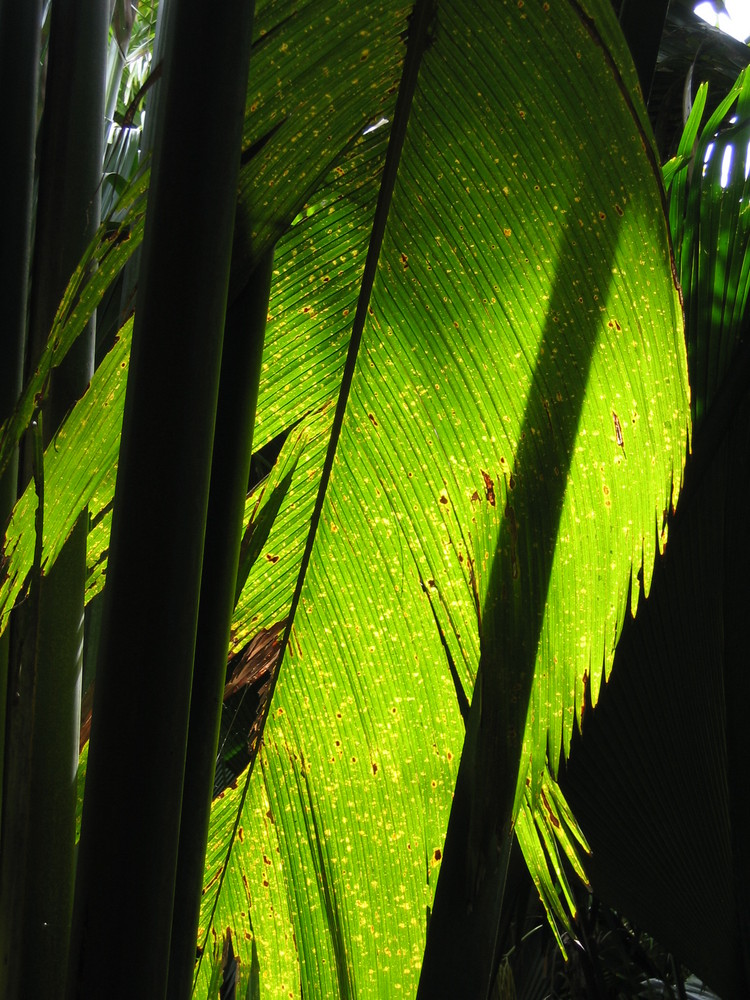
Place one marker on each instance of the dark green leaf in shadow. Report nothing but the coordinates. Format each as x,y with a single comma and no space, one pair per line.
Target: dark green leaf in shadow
710,221
658,779
109,252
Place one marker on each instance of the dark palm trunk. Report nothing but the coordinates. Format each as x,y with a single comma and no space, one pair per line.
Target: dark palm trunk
48,630
129,840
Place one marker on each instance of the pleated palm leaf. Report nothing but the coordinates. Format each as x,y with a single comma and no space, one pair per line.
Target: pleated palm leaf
474,348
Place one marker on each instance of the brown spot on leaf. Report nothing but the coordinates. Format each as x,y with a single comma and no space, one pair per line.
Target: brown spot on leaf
271,558
552,818
117,236
618,431
489,488
372,419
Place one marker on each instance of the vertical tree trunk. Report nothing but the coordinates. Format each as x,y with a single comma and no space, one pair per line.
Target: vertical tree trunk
132,808
43,750
19,73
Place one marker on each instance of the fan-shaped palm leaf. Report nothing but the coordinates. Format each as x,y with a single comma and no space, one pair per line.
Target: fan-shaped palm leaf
510,430
487,330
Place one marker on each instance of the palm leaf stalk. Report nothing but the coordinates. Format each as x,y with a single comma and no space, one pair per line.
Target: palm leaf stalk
147,648
230,469
124,13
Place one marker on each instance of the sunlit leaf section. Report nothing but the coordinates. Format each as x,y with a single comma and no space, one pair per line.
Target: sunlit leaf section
79,470
317,271
247,891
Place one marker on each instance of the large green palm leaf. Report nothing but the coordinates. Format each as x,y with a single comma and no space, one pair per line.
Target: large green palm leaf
488,377
498,471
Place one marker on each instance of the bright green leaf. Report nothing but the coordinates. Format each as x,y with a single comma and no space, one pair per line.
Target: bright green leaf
518,417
